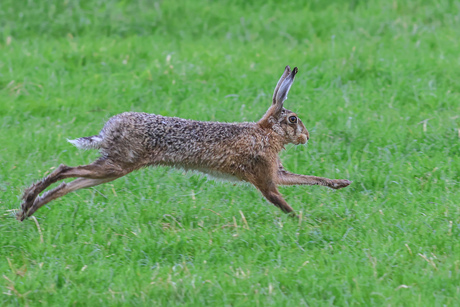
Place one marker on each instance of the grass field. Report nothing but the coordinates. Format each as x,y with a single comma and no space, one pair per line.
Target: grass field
378,88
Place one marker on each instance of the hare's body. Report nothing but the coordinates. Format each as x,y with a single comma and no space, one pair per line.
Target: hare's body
137,139
236,151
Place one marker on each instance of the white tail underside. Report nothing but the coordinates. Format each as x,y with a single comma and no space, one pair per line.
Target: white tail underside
89,142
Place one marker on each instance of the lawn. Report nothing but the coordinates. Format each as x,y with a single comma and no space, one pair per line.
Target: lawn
378,89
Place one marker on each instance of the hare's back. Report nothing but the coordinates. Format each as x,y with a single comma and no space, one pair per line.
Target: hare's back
177,141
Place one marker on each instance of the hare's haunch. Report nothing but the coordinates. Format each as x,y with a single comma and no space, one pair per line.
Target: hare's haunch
242,151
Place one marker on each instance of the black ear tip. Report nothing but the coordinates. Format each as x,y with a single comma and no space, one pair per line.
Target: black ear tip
295,70
287,68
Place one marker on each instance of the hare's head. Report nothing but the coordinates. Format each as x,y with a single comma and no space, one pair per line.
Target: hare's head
283,121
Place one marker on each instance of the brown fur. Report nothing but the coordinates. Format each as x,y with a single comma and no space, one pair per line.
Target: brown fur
241,151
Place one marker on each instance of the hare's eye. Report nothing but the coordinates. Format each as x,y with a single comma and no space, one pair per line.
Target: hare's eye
292,119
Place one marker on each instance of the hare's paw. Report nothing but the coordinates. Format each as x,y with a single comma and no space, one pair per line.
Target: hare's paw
340,183
21,215
25,207
28,199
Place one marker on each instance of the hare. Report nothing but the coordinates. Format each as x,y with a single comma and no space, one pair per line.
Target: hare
239,151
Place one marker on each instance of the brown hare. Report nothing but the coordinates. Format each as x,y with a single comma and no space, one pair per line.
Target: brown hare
238,151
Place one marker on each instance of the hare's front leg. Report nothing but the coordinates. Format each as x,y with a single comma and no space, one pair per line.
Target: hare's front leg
271,193
287,178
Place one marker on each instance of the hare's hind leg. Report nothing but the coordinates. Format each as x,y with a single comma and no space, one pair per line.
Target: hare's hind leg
103,169
61,190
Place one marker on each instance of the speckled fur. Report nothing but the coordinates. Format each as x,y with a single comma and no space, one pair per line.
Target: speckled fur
147,139
240,151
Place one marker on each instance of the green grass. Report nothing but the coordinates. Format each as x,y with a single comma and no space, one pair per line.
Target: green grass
378,88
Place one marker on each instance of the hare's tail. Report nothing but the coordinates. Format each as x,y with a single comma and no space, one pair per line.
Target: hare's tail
87,142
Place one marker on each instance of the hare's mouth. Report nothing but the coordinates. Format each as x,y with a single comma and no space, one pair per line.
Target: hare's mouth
302,140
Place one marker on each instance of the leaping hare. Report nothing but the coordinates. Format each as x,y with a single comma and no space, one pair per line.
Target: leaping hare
240,151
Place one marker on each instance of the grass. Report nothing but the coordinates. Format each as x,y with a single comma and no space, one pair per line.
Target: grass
378,88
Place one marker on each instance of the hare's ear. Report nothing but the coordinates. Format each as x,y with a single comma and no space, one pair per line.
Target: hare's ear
287,71
284,87
279,95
